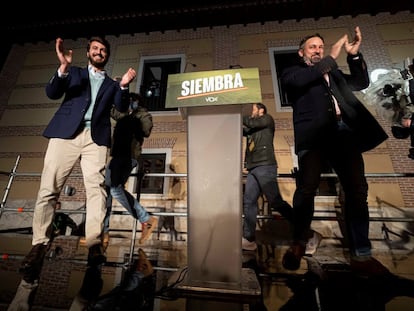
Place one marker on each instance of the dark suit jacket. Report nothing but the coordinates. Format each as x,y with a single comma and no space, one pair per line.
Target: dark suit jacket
314,116
68,119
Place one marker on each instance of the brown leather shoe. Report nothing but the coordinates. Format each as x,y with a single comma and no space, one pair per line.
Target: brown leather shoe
292,257
369,267
143,264
147,228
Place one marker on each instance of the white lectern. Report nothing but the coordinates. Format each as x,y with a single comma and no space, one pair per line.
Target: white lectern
215,203
213,107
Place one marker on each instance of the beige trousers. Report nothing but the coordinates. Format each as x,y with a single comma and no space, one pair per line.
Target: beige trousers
61,157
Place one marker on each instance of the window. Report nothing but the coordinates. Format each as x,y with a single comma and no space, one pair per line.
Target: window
281,58
152,161
153,78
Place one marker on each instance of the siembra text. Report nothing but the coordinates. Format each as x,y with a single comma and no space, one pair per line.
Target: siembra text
211,84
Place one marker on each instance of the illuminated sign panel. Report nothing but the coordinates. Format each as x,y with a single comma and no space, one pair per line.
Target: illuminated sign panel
216,87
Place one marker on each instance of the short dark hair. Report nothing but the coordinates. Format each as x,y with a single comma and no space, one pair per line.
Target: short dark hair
303,41
101,40
135,97
261,106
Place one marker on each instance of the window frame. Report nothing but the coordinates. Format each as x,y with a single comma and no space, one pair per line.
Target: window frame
276,79
132,181
159,58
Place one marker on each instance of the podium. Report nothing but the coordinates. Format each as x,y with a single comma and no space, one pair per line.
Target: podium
214,179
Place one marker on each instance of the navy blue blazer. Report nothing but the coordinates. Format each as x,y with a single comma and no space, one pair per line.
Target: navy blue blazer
68,119
314,115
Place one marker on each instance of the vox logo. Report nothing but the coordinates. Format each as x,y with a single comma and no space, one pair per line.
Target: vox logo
211,99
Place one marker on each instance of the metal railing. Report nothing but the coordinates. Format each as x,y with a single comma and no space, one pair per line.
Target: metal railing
13,173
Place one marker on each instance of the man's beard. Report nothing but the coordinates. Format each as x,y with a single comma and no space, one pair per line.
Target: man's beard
99,65
314,59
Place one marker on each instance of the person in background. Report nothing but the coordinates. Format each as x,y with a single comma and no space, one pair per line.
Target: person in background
261,165
407,123
331,124
134,289
130,130
80,130
411,81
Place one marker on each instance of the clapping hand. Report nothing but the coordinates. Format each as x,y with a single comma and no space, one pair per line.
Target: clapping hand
128,77
353,47
64,56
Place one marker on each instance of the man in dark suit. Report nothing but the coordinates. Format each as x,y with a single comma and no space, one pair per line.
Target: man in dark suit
79,130
331,124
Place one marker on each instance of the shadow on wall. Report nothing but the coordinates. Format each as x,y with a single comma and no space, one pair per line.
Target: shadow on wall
399,234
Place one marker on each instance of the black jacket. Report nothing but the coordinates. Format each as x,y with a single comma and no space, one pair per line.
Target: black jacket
129,132
259,148
314,116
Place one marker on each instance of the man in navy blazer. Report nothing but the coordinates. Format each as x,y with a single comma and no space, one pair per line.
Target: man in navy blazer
80,130
331,124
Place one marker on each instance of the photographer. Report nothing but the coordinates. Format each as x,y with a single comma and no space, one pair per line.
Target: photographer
406,127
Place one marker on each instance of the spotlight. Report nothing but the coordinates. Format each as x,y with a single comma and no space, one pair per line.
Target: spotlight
148,93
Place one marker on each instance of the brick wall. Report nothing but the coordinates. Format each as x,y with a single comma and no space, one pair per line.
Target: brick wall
218,48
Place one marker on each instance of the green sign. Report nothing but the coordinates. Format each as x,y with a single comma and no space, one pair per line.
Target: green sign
216,87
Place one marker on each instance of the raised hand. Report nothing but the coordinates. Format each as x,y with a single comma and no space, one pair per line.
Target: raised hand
353,47
337,46
128,77
64,56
